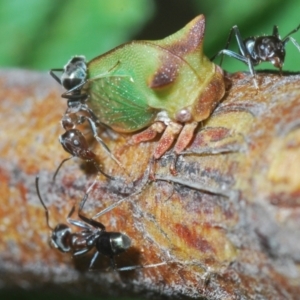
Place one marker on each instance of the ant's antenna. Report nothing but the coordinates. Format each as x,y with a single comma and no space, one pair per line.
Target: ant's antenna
293,31
41,200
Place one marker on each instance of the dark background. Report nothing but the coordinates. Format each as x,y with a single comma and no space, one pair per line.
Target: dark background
44,34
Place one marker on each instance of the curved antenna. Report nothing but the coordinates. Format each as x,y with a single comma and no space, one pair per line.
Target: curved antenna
293,31
54,76
106,74
60,165
41,200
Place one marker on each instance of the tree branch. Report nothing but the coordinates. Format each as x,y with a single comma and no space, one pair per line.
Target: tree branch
227,225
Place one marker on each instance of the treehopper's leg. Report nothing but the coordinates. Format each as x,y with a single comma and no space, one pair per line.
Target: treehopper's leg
168,137
183,140
185,137
149,133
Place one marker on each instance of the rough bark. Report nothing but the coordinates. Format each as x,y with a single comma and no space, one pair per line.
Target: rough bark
227,226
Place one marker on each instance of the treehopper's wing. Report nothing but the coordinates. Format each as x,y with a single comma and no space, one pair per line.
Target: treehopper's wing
130,84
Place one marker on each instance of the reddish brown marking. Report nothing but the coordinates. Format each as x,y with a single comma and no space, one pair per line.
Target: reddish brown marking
185,137
167,139
190,42
207,135
193,239
211,96
149,133
164,76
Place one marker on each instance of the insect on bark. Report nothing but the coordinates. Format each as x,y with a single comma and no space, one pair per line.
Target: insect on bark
92,235
75,143
166,86
257,49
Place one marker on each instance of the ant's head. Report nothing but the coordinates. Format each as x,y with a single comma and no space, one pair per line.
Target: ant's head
74,73
271,48
60,238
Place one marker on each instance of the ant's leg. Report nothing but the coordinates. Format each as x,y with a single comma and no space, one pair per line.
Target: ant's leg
241,45
100,141
84,218
63,161
86,196
246,59
104,211
145,180
233,55
93,259
130,268
251,69
102,172
293,41
240,41
71,212
226,47
112,206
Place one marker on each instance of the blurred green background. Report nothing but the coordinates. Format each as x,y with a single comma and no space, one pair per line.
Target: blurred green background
44,34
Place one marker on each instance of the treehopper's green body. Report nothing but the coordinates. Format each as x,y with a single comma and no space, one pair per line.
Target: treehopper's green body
170,82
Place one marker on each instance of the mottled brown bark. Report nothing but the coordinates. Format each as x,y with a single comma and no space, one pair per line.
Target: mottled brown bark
227,226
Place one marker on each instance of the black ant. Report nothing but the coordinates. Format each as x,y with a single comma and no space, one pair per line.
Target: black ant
75,143
73,79
92,235
255,50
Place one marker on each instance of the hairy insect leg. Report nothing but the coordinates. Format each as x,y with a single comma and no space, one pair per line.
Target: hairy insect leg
85,197
167,139
112,206
131,268
234,30
293,41
122,269
245,59
183,140
93,127
149,133
144,180
185,137
94,258
244,56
